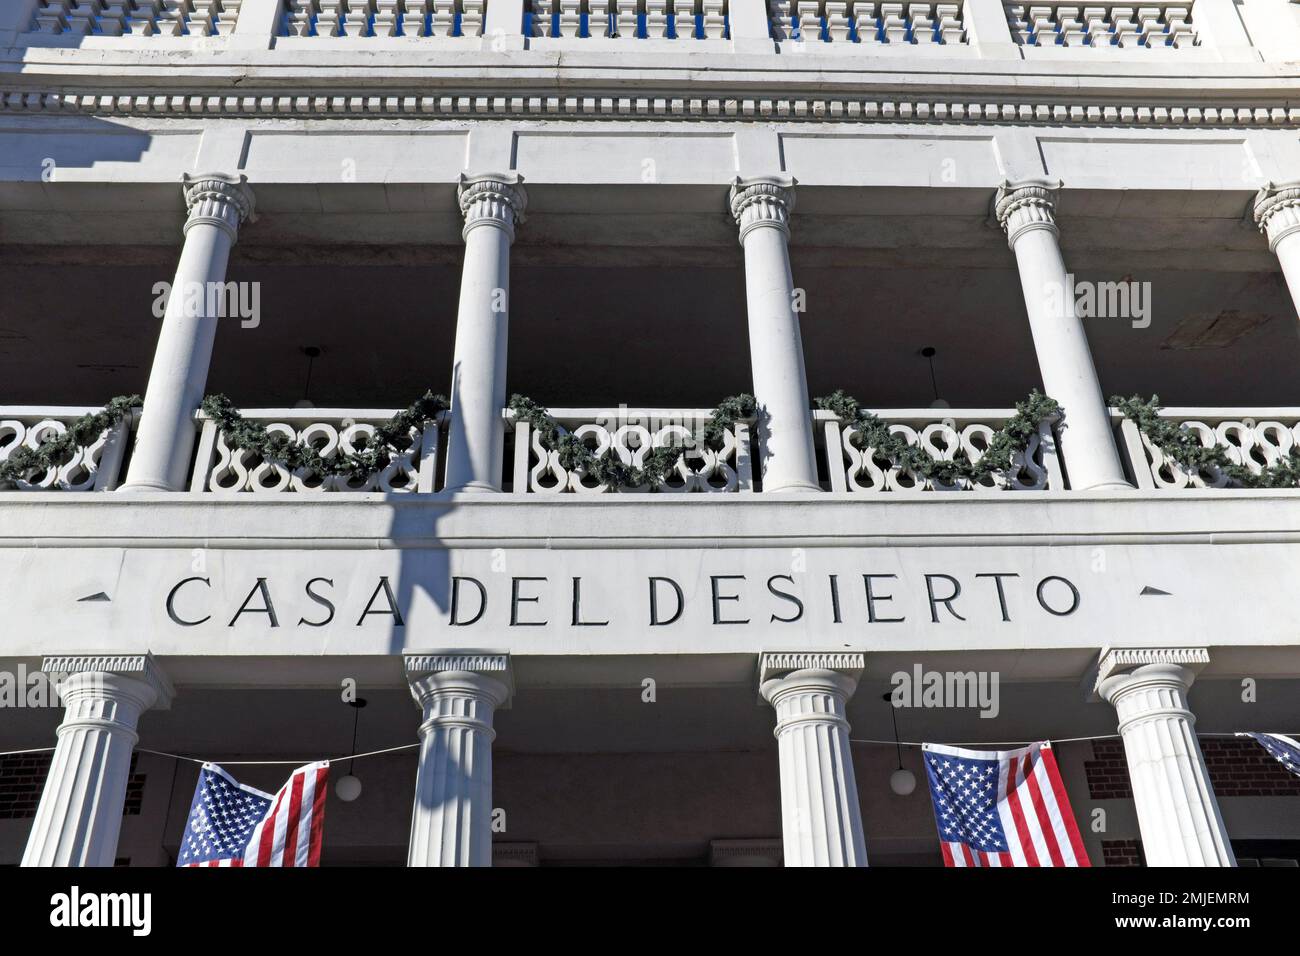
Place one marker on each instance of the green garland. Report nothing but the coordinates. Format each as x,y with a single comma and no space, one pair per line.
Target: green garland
58,451
1008,441
607,468
1182,446
374,456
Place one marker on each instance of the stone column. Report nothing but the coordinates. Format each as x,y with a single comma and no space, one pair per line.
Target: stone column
761,208
80,813
492,204
821,824
1176,809
1027,211
1277,213
458,693
218,205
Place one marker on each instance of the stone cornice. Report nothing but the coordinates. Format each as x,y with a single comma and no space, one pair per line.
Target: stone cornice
992,109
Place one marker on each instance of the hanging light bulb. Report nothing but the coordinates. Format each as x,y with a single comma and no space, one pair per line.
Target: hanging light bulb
928,353
902,781
313,353
348,787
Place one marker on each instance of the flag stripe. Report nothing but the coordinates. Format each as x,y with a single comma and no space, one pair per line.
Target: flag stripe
1071,827
1002,808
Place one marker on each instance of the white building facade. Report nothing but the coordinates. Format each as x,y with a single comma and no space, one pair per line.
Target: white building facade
628,211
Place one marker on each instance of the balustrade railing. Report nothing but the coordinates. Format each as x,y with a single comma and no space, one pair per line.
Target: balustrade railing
1253,437
1107,26
221,468
323,19
115,18
857,468
96,467
867,22
627,19
631,434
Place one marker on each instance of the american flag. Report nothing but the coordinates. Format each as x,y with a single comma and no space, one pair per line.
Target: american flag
1285,749
1002,807
233,824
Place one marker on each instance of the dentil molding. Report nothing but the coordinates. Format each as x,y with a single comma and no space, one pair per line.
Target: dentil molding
809,107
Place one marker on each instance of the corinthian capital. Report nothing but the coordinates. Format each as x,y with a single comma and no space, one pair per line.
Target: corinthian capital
762,201
218,200
492,199
1277,211
1026,205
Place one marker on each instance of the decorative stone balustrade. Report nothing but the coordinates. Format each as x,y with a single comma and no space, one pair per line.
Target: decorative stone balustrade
632,433
1255,438
942,433
166,18
97,467
628,19
324,19
1123,27
860,21
223,469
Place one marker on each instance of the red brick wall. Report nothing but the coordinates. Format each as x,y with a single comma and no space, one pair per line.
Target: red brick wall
22,777
1121,853
1238,767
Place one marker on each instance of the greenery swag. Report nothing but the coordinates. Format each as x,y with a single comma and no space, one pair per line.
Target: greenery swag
58,451
1008,441
607,468
1180,445
375,454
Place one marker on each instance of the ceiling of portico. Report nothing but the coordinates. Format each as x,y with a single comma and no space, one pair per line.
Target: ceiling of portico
663,324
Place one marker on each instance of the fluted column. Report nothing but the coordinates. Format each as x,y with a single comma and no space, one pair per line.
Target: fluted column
1277,213
1027,211
821,824
218,205
452,821
80,813
1176,808
492,204
762,208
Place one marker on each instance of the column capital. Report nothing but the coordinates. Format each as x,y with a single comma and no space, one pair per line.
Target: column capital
219,200
1026,205
141,668
1277,211
1115,663
480,671
775,664
762,201
492,199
